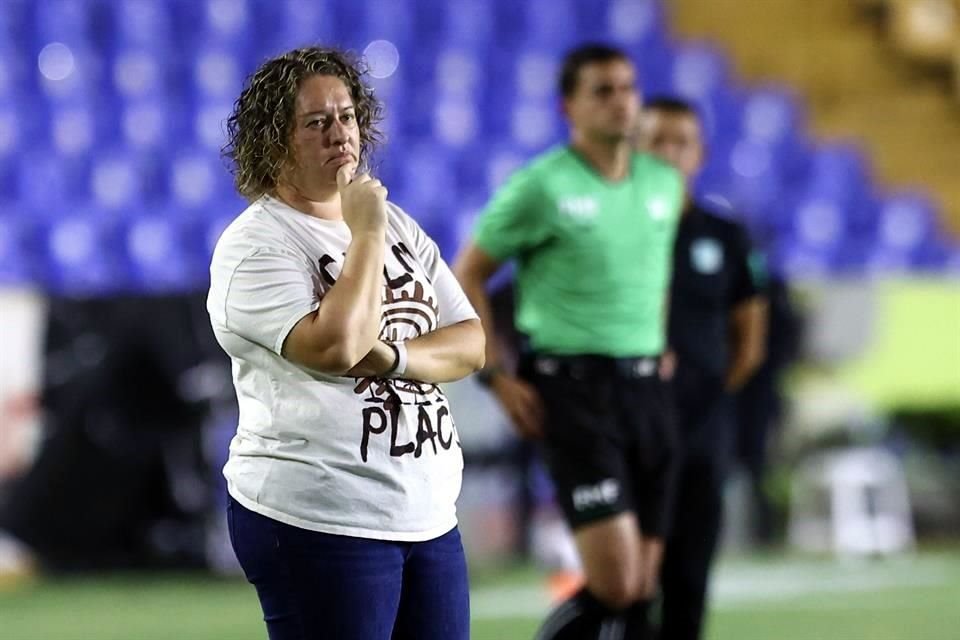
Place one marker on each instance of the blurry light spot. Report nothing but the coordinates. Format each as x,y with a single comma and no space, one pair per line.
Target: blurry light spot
55,61
73,131
749,160
382,58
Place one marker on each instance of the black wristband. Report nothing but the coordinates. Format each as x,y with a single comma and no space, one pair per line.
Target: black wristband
396,358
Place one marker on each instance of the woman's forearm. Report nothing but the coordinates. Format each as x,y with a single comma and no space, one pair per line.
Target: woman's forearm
449,353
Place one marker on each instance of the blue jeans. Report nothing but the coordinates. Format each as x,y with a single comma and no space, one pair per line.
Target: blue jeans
318,586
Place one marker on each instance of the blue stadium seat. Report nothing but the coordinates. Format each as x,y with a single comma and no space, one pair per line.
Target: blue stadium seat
470,23
772,115
71,74
819,223
199,183
152,124
124,183
296,24
456,122
67,21
163,254
76,129
16,72
839,171
209,123
18,255
49,183
795,262
905,222
216,23
138,73
635,23
699,70
425,177
83,256
550,23
143,24
217,72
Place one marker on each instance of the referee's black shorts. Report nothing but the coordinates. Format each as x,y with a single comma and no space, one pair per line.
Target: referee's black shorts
610,441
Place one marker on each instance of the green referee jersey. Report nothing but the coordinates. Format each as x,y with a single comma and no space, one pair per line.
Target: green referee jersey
593,257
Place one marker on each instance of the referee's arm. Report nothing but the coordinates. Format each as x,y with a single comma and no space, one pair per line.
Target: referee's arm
473,268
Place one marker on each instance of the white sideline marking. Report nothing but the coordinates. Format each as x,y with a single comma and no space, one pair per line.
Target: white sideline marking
739,587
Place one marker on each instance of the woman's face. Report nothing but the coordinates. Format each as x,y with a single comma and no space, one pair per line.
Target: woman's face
325,135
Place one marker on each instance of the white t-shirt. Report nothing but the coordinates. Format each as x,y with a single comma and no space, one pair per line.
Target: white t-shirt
369,457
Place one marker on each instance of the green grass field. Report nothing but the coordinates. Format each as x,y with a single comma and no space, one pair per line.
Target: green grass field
771,598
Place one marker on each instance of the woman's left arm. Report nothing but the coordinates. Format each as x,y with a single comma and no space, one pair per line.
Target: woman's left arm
449,353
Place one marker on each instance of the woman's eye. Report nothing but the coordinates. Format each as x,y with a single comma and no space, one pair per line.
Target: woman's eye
347,117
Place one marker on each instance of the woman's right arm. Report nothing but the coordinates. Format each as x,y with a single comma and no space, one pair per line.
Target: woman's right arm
335,337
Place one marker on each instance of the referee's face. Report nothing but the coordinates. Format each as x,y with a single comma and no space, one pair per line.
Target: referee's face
606,101
675,138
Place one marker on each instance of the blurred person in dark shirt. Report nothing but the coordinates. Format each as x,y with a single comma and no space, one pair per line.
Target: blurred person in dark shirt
717,326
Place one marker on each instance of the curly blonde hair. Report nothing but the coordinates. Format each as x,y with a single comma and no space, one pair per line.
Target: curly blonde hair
260,126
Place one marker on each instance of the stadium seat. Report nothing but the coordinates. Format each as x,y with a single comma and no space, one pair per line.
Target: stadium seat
144,24
905,222
163,254
152,124
49,183
72,73
138,73
198,182
698,71
83,256
471,23
124,183
635,23
66,21
17,252
217,72
119,106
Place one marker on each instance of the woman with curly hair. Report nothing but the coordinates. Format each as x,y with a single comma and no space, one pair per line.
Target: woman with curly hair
341,319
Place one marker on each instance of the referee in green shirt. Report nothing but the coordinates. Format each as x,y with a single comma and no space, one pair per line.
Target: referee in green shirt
591,226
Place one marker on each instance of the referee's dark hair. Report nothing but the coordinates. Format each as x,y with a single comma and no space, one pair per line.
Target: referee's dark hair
580,57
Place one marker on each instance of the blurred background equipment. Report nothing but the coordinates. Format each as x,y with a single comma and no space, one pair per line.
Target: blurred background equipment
832,127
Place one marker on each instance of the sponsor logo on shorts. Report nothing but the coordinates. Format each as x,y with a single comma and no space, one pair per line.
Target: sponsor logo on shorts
591,496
